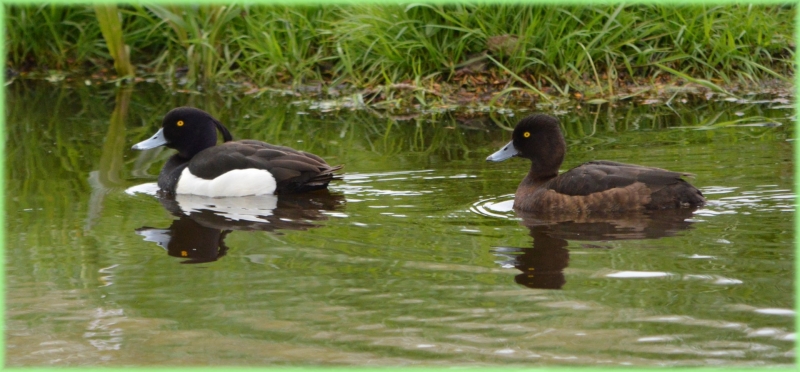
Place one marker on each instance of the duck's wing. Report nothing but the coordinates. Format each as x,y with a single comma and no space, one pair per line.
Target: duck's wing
599,176
294,171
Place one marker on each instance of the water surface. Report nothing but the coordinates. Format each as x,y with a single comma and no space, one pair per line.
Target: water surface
413,258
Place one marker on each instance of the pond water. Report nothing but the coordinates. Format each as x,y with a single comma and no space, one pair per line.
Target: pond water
413,258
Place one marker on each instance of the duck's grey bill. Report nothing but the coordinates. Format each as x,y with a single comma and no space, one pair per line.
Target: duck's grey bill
155,141
506,152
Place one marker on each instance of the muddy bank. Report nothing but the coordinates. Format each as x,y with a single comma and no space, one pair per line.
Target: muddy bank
486,91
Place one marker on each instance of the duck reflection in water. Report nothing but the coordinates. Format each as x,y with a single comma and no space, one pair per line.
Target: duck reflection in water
203,223
543,265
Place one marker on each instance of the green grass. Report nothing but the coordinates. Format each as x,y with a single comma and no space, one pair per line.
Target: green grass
108,18
595,50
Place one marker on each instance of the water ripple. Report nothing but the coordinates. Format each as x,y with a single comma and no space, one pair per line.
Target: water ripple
764,198
638,274
363,184
498,207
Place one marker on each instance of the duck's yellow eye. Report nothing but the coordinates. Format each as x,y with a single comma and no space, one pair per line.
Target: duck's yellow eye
180,123
526,134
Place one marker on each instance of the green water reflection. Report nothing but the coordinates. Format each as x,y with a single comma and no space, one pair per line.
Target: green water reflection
414,258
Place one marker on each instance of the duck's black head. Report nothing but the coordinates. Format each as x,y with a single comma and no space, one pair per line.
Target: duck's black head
538,138
188,130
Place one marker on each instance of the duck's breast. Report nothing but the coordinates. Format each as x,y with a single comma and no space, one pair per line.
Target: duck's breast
235,182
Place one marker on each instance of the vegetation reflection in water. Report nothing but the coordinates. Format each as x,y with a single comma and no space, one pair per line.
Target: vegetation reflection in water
411,259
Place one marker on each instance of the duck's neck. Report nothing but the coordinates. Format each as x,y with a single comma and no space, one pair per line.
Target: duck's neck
171,172
546,156
190,151
537,176
544,170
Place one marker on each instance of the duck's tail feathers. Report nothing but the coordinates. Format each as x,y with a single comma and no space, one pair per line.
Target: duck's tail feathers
320,180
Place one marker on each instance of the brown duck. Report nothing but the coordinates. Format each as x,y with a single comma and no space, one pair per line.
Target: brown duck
593,187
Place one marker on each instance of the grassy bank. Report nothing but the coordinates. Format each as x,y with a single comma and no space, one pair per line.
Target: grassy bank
464,51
